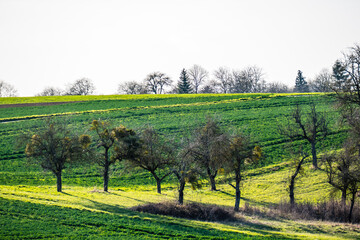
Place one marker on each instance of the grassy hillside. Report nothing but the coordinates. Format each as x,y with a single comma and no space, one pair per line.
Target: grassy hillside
31,208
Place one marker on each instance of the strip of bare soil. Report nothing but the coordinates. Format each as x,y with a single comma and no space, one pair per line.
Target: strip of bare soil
35,104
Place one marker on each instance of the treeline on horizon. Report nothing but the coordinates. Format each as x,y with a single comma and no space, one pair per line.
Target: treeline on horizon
198,80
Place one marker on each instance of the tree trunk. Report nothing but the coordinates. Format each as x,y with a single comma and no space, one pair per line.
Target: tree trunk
106,170
158,181
291,191
212,179
58,182
158,185
292,181
212,182
343,202
181,191
343,196
313,152
237,194
351,207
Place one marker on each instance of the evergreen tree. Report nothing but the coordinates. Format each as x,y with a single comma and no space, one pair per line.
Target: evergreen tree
184,83
340,76
300,84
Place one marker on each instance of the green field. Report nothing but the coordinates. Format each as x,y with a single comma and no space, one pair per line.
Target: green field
31,208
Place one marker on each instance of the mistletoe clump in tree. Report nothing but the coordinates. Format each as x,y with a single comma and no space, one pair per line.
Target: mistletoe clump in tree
118,143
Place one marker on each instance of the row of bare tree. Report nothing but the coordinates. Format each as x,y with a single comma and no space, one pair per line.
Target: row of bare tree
210,151
223,80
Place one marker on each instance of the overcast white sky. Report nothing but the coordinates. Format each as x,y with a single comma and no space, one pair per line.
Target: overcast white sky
54,42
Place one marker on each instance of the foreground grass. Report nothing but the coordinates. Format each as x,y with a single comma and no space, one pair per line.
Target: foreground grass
30,207
86,212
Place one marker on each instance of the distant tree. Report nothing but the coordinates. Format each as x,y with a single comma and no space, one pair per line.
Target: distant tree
322,82
156,82
241,82
7,90
132,87
240,155
198,76
312,127
118,143
183,85
343,171
256,77
223,78
300,84
208,149
340,78
83,86
277,87
55,147
155,155
50,91
347,77
248,80
210,87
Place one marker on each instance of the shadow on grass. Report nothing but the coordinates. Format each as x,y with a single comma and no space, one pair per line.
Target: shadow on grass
236,222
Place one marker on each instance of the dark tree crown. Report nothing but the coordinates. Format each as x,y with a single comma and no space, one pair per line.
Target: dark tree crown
184,82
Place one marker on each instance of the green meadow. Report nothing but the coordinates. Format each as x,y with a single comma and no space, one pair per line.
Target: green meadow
31,208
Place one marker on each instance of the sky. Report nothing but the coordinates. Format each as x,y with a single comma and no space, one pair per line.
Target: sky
55,42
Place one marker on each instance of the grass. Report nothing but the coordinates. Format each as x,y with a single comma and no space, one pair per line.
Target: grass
30,207
86,212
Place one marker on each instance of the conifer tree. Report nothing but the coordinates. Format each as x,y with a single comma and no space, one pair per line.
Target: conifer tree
184,83
300,84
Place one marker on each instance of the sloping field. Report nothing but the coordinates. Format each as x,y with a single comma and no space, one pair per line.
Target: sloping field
31,208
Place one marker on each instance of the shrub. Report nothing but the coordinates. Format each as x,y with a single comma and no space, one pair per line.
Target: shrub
191,211
324,211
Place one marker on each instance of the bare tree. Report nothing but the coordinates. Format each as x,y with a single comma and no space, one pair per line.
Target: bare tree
277,87
322,82
298,169
155,155
223,78
132,87
156,82
241,82
209,148
239,157
50,91
346,73
55,147
343,171
7,90
198,76
210,87
256,77
248,80
185,172
83,86
311,127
